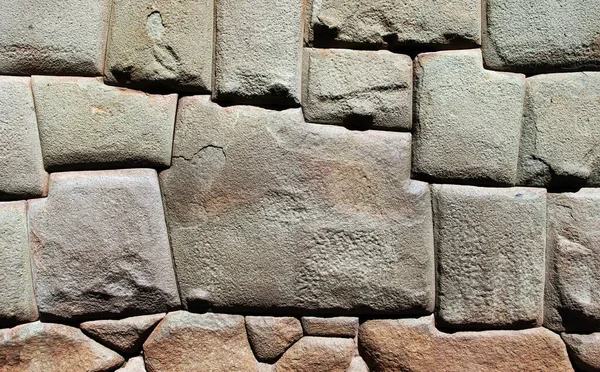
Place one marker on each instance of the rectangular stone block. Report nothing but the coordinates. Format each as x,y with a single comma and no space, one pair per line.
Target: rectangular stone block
490,245
268,212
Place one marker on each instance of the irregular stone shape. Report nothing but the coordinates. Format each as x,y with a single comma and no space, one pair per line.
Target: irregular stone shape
50,37
415,345
340,326
272,336
161,44
358,365
53,348
317,354
22,172
468,120
199,342
258,51
263,367
536,36
125,335
134,365
100,246
17,299
584,350
266,211
561,125
83,122
357,88
490,245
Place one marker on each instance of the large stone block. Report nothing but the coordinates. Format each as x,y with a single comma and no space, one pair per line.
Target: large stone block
317,354
268,212
490,246
357,88
84,123
468,119
50,37
542,35
100,246
161,44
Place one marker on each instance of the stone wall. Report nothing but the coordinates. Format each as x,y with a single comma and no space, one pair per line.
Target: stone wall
289,185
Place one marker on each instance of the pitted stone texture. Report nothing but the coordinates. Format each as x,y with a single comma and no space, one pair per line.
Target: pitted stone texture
490,246
83,122
340,326
543,35
266,211
185,342
22,172
161,44
357,88
50,37
258,51
317,354
468,120
272,336
584,350
53,348
100,246
17,300
134,365
415,345
560,131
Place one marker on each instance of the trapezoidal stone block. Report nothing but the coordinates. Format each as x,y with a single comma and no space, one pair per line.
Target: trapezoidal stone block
468,120
490,248
268,212
272,336
100,246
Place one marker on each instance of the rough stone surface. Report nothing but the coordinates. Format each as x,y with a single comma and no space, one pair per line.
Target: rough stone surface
272,336
266,211
258,51
560,131
134,365
490,245
415,345
340,326
100,246
53,348
199,342
536,36
125,336
83,122
468,120
358,365
53,37
161,44
357,88
584,350
17,300
317,354
22,172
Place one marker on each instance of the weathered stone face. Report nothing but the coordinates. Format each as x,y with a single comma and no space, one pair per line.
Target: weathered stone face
135,364
317,354
340,326
272,336
584,350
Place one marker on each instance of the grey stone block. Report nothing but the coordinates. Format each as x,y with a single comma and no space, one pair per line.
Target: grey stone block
272,336
584,350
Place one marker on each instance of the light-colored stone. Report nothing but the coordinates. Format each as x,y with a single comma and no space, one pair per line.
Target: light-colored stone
490,247
341,326
135,364
83,122
468,120
584,350
100,246
161,44
535,36
266,211
22,172
49,347
317,354
358,365
185,342
125,336
263,367
52,37
357,88
258,51
415,345
17,300
560,131
272,336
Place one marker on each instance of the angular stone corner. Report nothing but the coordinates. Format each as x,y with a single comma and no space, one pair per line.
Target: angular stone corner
258,52
161,44
468,120
341,326
560,131
266,211
318,354
490,248
49,37
272,336
135,364
84,123
357,88
100,246
584,350
22,173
